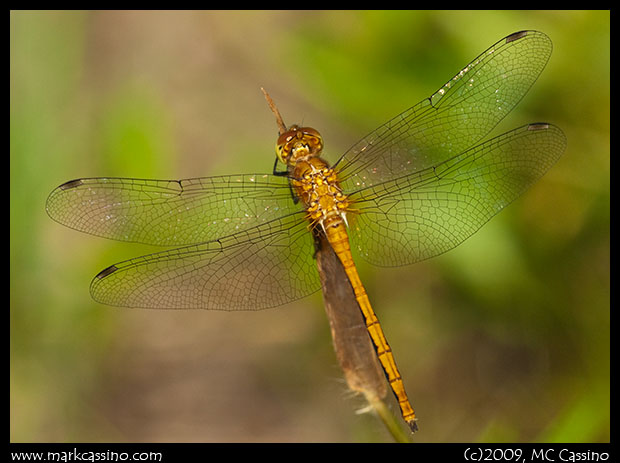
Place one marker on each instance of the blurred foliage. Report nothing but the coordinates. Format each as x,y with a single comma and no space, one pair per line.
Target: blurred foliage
506,338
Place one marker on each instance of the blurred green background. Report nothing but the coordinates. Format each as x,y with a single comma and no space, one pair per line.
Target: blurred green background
505,338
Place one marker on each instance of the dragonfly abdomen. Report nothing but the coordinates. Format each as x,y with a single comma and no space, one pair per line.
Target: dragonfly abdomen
339,241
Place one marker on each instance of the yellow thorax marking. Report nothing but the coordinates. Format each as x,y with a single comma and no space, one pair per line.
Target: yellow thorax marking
319,190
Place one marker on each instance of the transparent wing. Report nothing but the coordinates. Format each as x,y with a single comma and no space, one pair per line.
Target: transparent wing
264,266
170,212
454,118
423,214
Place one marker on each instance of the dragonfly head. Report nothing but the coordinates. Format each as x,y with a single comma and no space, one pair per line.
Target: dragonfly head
298,142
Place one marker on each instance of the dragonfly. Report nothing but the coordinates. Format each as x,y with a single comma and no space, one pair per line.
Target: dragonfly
414,188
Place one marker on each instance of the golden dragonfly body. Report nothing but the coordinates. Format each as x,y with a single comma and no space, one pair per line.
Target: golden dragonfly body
316,184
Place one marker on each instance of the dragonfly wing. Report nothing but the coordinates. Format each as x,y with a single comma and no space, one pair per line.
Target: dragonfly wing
426,213
454,118
170,212
265,266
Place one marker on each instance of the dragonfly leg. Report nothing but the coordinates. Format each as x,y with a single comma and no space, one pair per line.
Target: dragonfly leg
279,173
293,195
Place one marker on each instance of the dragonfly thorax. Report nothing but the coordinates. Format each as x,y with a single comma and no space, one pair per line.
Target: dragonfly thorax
316,184
298,143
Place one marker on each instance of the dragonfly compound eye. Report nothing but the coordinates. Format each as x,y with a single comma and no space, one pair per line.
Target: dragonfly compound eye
313,139
285,142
